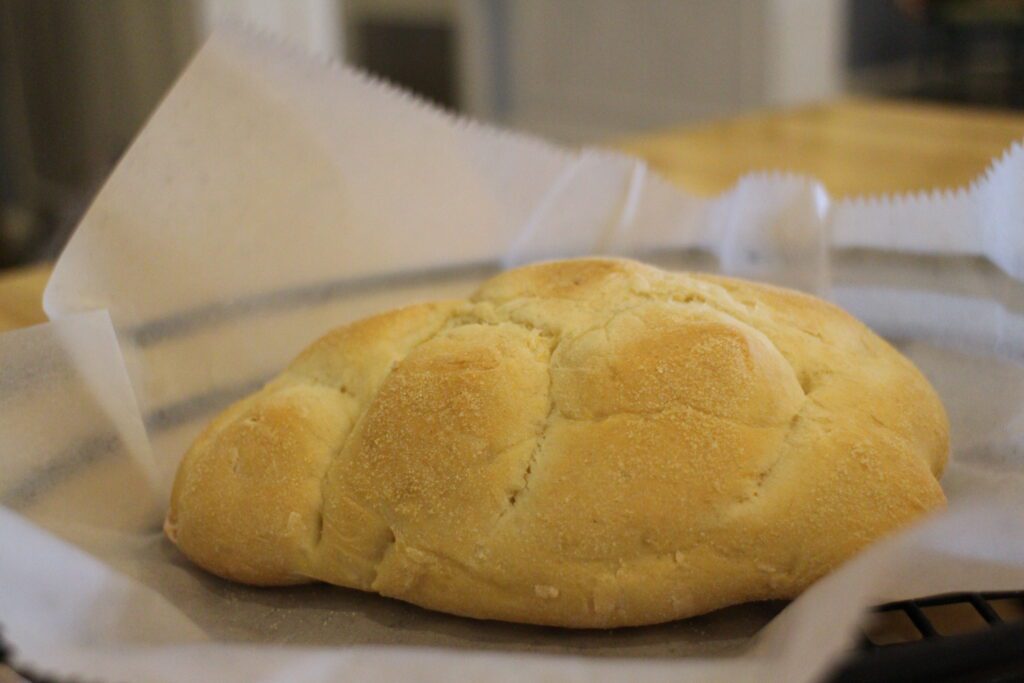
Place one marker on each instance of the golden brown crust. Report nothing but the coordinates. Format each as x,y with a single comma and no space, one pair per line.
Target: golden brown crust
586,443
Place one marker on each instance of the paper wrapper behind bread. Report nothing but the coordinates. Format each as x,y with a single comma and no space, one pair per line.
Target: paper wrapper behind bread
589,443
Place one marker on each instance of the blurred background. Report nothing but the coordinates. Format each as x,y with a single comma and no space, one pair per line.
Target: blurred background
78,78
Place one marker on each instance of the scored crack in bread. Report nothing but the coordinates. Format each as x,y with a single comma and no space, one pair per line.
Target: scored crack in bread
585,443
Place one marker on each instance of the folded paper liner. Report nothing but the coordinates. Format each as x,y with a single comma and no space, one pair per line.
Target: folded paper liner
273,197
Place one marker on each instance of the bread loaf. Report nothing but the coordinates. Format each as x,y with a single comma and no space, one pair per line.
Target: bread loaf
585,443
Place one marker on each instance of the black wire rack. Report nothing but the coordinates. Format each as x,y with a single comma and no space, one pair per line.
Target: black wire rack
951,638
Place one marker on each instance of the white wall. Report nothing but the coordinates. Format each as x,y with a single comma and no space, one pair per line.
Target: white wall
592,69
314,24
804,54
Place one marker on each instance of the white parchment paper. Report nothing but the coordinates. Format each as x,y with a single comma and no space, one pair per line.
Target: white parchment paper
273,197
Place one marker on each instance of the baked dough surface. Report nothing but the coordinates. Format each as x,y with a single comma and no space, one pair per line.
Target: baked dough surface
585,443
